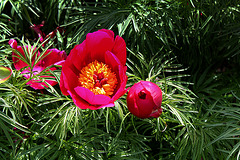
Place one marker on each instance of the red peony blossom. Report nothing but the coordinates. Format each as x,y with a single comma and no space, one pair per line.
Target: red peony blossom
144,100
50,57
94,73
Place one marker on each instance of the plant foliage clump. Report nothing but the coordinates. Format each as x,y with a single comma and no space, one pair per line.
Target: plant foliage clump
189,48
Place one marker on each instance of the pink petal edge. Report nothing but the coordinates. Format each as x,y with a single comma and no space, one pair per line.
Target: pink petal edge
91,98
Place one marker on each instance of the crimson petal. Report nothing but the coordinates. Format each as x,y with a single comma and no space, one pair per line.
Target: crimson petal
13,43
119,49
142,103
79,56
98,43
68,80
78,101
37,84
120,71
91,98
52,56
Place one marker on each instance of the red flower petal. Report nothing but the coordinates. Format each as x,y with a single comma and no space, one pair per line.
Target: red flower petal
63,84
131,103
79,101
36,84
110,104
111,60
119,49
52,56
69,75
17,62
68,81
79,56
120,71
109,32
155,91
142,103
98,43
13,43
122,80
87,95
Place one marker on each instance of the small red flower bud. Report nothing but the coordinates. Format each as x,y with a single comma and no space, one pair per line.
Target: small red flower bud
144,100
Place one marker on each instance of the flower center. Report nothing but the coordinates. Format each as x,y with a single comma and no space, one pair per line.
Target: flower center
98,78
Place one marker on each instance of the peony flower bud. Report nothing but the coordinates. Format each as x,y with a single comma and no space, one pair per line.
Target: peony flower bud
144,100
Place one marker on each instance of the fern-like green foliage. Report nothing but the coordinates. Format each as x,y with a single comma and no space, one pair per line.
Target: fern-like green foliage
189,48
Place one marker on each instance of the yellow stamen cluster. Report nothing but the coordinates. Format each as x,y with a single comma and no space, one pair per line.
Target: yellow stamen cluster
98,78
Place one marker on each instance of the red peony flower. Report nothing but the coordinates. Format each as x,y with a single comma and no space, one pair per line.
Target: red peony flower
144,100
50,57
94,73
